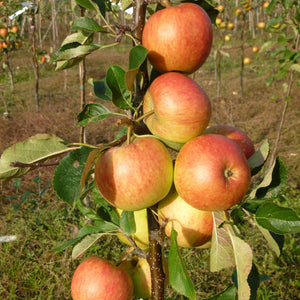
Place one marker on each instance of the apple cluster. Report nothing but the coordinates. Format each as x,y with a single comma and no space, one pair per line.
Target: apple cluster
9,39
209,173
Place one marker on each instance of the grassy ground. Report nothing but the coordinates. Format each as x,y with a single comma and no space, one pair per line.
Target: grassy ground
31,269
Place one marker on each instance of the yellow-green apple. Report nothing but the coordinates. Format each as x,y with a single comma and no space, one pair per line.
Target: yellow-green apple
223,24
3,32
135,176
96,278
255,49
220,8
247,60
227,38
14,29
141,234
261,25
238,11
181,108
139,271
230,26
179,38
218,21
211,172
193,226
277,26
236,135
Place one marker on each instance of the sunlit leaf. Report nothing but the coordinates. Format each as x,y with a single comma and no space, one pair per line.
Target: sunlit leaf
87,24
221,252
92,112
178,275
278,219
36,149
86,243
257,160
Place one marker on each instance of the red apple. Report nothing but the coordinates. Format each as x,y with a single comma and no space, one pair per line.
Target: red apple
14,29
42,59
193,226
236,135
182,110
135,176
211,172
6,44
3,32
96,278
178,38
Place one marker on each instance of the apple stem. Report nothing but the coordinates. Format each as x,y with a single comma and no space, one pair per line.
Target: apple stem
144,116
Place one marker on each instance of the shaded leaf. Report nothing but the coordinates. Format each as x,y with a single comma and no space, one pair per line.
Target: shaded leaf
137,56
102,90
115,79
67,176
77,52
127,222
36,149
228,294
66,64
278,219
178,275
221,252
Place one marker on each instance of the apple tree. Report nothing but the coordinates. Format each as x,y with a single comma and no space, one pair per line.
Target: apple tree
152,179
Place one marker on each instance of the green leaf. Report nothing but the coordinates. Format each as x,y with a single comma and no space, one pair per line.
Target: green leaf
36,149
278,219
127,222
221,251
77,52
92,113
257,160
137,56
228,294
66,64
86,243
271,6
87,24
80,37
86,4
274,21
243,260
115,79
266,46
125,4
102,91
67,176
178,275
274,180
275,241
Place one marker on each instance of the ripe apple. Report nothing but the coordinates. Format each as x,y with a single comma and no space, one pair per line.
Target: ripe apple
277,26
255,49
218,21
266,4
178,38
193,226
236,135
14,29
42,59
230,26
238,11
3,32
96,278
223,25
0,45
227,38
211,172
182,110
135,176
261,25
220,8
6,44
247,60
141,235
